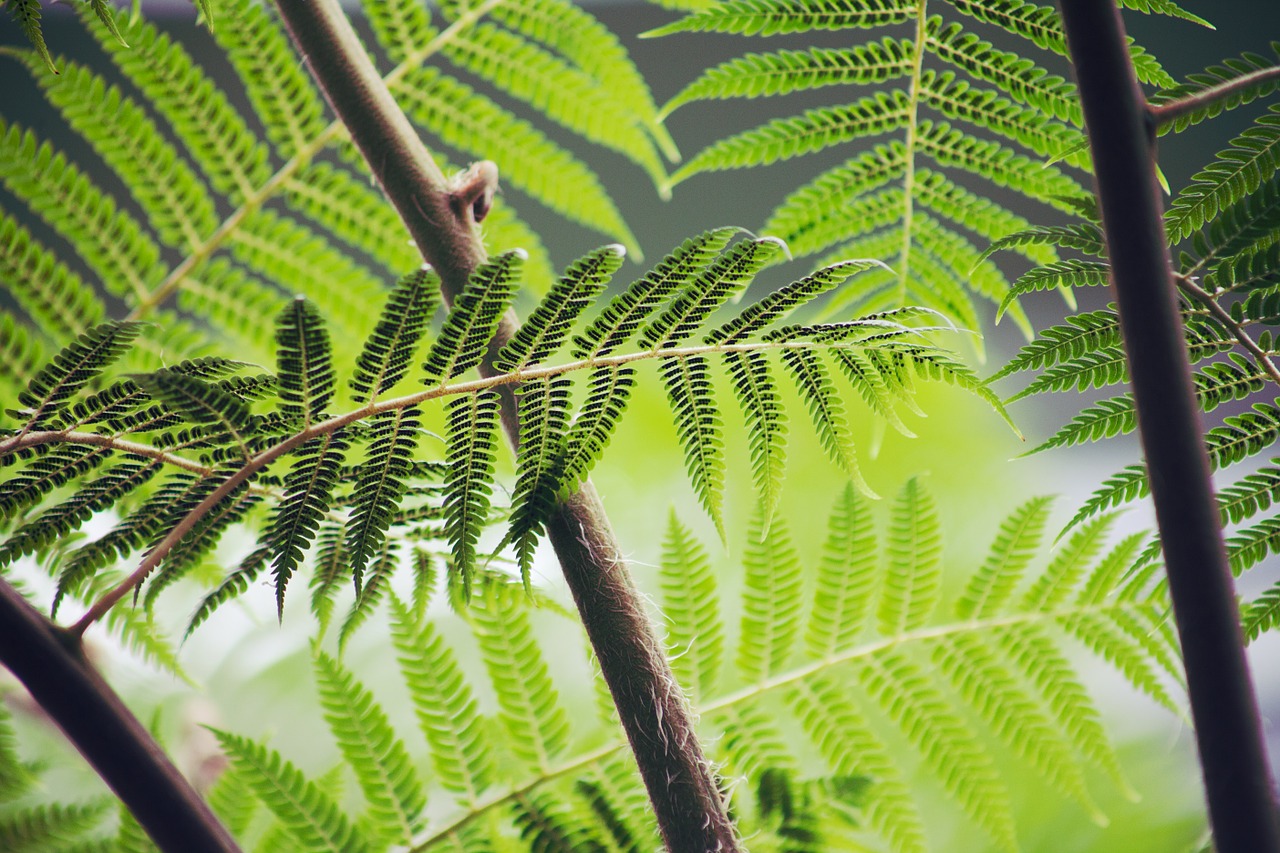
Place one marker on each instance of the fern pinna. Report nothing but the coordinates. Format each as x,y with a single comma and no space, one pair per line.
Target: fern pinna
875,650
186,209
962,118
1224,226
229,452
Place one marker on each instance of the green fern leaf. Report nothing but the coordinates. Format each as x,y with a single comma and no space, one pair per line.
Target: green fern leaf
943,738
557,89
1078,335
1250,546
200,403
76,365
20,352
1230,69
1252,494
328,574
976,672
27,14
772,603
697,418
52,294
1101,635
382,483
308,488
850,746
312,819
975,213
370,593
390,348
786,71
848,577
691,603
476,313
785,299
43,827
371,749
762,17
991,587
622,317
1262,614
282,93
1061,274
814,130
761,405
1085,237
530,709
1093,369
303,362
1250,159
548,325
197,544
546,823
726,278
471,435
1066,569
912,583
174,199
531,161
444,704
825,411
608,392
209,127
233,586
544,418
55,467
401,27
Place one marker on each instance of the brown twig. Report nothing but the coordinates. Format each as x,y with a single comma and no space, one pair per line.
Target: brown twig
1238,785
1171,111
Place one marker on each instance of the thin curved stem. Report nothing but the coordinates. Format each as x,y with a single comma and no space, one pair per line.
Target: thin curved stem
1171,111
1261,356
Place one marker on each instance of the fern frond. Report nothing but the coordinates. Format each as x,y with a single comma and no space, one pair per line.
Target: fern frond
53,468
175,201
848,577
530,708
20,352
282,93
1078,335
849,745
27,14
1102,636
200,403
762,17
531,161
757,394
371,749
471,435
772,603
197,544
1261,614
826,411
444,704
1230,69
557,89
762,74
1067,567
544,417
203,119
308,814
786,299
753,743
303,362
233,586
383,480
549,324
1057,276
50,292
726,278
698,424
1085,237
390,348
545,822
814,130
475,315
622,317
1251,545
912,581
400,27
976,672
44,827
691,602
1093,369
308,488
1250,495
942,737
992,586
607,395
1250,159
975,213
76,365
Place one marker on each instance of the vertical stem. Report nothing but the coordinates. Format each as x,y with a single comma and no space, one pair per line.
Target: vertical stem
686,799
51,665
1238,785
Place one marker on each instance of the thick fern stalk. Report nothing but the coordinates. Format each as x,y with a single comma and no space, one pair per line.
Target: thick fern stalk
1228,730
51,665
682,787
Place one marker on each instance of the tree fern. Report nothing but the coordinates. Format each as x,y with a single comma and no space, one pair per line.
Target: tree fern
998,648
938,91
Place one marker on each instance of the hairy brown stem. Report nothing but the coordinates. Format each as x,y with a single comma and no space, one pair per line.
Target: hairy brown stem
50,663
1238,785
686,800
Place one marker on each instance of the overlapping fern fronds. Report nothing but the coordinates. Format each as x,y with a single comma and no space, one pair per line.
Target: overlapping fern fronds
875,651
226,443
1224,229
215,219
938,118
